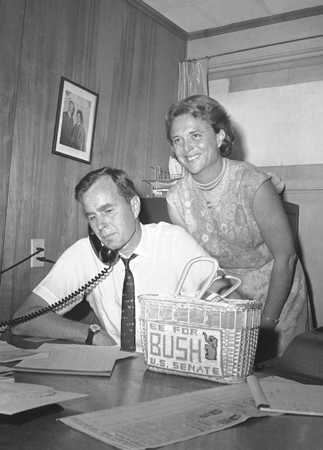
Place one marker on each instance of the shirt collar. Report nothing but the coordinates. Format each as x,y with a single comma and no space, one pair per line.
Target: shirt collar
142,247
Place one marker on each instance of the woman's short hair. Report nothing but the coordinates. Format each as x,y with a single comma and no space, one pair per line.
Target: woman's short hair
204,108
81,114
125,186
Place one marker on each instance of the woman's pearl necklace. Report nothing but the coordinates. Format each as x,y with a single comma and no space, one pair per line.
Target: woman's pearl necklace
212,184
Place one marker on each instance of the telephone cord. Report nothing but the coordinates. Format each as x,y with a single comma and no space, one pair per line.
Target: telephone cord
58,304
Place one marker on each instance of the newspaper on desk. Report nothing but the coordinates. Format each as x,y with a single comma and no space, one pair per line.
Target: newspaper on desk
173,419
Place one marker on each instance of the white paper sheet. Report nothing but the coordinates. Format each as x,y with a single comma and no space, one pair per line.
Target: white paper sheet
18,397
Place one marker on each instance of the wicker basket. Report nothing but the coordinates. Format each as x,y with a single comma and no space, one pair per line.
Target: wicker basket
185,335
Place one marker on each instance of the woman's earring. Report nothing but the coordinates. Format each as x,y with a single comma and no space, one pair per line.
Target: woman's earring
221,137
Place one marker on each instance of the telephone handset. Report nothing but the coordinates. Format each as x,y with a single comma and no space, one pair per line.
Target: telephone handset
105,255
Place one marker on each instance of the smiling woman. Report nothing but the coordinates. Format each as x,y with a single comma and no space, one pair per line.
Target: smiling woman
233,210
193,141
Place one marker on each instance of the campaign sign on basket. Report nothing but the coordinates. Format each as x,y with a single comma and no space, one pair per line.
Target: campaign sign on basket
185,335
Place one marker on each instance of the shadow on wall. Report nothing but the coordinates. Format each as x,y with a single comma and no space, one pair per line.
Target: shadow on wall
239,150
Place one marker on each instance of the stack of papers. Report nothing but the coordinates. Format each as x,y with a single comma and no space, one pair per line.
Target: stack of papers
18,397
73,360
6,373
275,394
9,353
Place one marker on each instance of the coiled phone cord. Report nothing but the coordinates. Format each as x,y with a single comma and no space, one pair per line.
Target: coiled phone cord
41,312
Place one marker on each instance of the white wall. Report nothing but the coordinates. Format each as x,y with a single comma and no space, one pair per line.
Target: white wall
275,126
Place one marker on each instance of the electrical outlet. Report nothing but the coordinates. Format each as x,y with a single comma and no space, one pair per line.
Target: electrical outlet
35,243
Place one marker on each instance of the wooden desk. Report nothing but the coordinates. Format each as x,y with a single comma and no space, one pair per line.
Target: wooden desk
129,384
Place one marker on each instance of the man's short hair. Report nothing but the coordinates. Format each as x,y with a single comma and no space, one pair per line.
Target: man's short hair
125,186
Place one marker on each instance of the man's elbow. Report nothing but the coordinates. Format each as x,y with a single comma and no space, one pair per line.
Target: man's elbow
22,327
16,330
25,312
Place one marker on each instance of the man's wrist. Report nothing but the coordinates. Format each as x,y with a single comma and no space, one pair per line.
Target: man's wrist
93,330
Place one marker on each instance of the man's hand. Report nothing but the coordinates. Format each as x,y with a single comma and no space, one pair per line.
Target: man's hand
103,338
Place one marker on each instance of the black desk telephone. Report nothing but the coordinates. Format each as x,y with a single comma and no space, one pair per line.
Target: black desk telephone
107,256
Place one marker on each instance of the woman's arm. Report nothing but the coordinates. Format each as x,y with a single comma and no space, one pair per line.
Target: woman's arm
272,220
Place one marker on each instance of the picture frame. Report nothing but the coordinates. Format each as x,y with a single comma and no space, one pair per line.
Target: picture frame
75,121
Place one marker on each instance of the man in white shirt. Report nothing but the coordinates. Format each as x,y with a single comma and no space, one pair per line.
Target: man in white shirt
111,206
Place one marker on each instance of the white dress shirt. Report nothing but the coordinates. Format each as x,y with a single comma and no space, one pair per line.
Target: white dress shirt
163,252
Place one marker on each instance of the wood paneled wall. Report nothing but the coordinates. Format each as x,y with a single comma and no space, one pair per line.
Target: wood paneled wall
109,47
11,26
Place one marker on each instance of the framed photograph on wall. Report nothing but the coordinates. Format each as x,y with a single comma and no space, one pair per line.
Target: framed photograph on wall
75,121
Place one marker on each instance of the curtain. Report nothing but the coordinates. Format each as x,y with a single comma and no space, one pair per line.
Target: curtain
193,78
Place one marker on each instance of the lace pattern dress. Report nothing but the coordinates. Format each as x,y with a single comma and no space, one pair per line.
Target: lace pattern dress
222,221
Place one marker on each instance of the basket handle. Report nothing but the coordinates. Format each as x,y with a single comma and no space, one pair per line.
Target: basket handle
208,282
